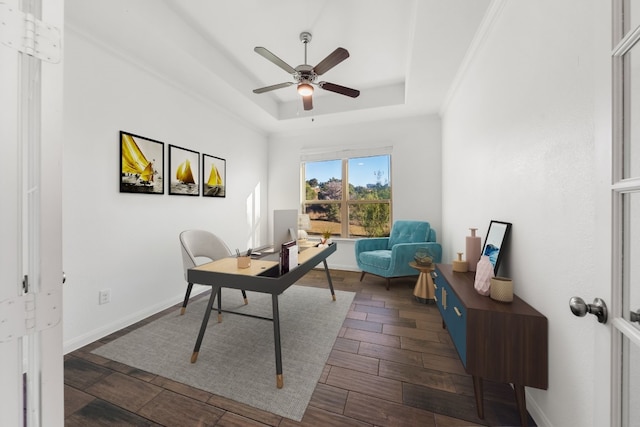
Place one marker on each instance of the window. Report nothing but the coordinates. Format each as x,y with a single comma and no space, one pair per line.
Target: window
348,197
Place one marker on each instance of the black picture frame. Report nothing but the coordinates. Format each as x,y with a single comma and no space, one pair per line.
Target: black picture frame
141,164
184,170
214,176
495,241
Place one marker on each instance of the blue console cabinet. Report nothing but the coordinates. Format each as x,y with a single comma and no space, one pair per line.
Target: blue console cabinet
502,342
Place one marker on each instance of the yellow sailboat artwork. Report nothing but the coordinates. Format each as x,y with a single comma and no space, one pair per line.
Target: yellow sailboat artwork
214,177
133,161
184,174
141,164
214,186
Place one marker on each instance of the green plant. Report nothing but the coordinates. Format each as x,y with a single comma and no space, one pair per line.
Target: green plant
375,219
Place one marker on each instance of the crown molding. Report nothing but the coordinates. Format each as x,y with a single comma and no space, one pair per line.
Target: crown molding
484,29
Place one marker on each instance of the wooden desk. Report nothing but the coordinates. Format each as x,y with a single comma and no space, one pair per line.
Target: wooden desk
262,276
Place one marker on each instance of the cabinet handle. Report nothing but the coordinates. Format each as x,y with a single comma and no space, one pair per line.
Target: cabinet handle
457,311
444,298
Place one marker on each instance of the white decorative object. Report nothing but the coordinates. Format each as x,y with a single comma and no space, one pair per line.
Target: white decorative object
484,273
304,224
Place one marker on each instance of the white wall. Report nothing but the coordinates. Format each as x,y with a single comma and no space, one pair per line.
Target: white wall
519,146
416,169
129,242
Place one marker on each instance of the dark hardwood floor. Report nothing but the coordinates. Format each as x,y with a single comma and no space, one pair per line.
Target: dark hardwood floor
391,365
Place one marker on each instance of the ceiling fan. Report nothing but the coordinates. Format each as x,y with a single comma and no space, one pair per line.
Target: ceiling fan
305,75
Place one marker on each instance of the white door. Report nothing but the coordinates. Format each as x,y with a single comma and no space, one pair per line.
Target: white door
31,360
625,315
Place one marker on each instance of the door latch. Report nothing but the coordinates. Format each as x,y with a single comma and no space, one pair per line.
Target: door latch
580,308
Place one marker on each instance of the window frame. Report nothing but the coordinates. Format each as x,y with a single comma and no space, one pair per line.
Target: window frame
345,202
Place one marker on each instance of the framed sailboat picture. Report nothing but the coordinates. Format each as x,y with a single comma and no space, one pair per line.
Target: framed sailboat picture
141,164
184,171
214,176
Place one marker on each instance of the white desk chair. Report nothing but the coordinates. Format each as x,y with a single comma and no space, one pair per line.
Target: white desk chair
201,244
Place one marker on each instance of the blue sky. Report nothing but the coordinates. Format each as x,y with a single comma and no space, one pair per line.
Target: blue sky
361,170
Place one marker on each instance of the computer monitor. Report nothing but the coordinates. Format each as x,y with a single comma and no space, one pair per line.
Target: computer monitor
285,227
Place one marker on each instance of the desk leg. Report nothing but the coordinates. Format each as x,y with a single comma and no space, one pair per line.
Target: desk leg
276,341
477,390
205,320
219,304
326,270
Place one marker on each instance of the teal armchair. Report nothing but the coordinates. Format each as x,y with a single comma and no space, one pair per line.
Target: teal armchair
389,257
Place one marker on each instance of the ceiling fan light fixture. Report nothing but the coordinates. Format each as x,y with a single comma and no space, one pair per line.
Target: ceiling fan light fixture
305,89
305,75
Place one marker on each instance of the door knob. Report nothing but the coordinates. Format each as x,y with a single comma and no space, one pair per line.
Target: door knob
580,308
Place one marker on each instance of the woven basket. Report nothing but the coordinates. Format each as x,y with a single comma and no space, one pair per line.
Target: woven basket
502,289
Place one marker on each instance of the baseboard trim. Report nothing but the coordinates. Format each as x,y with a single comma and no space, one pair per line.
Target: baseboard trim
96,334
536,412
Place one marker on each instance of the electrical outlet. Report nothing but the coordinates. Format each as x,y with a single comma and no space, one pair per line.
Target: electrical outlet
104,296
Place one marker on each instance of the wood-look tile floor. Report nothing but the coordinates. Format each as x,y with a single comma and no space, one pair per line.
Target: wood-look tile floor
392,365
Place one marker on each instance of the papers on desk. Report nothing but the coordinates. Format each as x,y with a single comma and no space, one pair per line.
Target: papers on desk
288,256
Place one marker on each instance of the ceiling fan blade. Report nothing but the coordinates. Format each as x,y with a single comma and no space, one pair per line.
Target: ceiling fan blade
271,57
334,58
307,102
272,87
342,90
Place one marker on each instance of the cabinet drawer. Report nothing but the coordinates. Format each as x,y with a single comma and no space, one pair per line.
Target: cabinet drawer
453,313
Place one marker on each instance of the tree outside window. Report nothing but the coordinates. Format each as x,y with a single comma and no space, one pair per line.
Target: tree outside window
349,197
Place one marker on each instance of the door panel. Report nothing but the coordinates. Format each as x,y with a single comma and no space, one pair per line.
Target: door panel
11,361
631,268
31,226
625,372
630,382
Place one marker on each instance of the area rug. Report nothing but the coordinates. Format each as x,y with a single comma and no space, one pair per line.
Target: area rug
237,358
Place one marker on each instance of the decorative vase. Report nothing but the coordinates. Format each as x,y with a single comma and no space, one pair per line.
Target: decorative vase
473,249
459,265
484,273
502,289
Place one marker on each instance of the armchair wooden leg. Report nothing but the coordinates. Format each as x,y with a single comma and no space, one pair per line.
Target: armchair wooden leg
244,295
388,283
362,276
